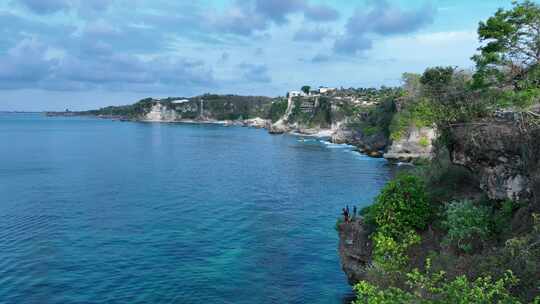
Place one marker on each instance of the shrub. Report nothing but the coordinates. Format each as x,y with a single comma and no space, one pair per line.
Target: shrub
278,109
521,255
435,288
466,223
390,253
501,220
402,205
400,209
371,130
368,213
424,142
421,113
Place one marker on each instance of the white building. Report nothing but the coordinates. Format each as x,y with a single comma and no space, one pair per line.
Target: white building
324,90
297,94
180,101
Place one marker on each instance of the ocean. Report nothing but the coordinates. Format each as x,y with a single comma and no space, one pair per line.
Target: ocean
99,211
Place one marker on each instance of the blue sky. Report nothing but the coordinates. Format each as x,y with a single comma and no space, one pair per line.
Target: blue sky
83,54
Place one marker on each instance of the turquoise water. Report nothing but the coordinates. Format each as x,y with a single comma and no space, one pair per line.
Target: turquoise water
97,211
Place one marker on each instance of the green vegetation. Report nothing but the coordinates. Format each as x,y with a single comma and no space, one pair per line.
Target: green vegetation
372,120
435,237
130,111
233,107
400,209
424,142
402,205
511,47
221,107
306,89
390,249
307,112
400,216
507,76
278,109
480,256
436,288
466,223
420,112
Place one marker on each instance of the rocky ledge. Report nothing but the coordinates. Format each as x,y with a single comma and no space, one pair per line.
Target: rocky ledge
354,249
503,156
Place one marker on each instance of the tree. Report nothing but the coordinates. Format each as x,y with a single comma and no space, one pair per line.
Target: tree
306,89
511,45
411,84
436,80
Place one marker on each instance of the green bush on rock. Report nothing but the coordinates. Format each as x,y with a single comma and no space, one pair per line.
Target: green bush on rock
390,253
437,289
466,223
400,209
402,206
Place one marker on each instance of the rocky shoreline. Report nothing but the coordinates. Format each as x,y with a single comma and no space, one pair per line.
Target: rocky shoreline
376,146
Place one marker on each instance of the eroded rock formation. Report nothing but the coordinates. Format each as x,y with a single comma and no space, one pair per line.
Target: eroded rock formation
417,143
500,154
354,249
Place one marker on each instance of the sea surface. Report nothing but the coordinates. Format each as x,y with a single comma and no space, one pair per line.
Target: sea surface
98,211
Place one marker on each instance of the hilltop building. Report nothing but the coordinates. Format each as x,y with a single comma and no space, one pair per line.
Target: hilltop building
297,94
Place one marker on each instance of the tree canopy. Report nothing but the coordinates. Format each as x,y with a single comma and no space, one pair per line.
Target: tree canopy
511,45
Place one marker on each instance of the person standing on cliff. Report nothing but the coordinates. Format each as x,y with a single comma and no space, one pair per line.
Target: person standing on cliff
345,215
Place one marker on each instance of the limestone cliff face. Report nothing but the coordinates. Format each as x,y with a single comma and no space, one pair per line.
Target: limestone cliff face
325,117
354,249
160,113
417,143
371,144
502,156
307,115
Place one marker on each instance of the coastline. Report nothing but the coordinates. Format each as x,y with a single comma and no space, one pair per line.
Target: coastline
257,123
405,151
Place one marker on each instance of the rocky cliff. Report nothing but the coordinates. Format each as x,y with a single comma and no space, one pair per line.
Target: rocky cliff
504,157
354,249
332,118
160,112
415,144
340,120
204,108
307,115
372,144
504,154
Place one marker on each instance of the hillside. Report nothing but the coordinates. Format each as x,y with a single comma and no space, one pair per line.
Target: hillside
199,108
464,225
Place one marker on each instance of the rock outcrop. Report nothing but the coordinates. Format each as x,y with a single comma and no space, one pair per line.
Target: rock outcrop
416,144
160,113
371,144
354,249
257,122
279,127
500,154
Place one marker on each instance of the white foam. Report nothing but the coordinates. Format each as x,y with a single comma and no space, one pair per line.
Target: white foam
336,146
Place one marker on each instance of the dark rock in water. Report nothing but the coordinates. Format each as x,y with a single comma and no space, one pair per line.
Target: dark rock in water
354,249
371,145
376,154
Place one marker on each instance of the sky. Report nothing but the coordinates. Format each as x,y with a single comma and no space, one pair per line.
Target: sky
86,54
